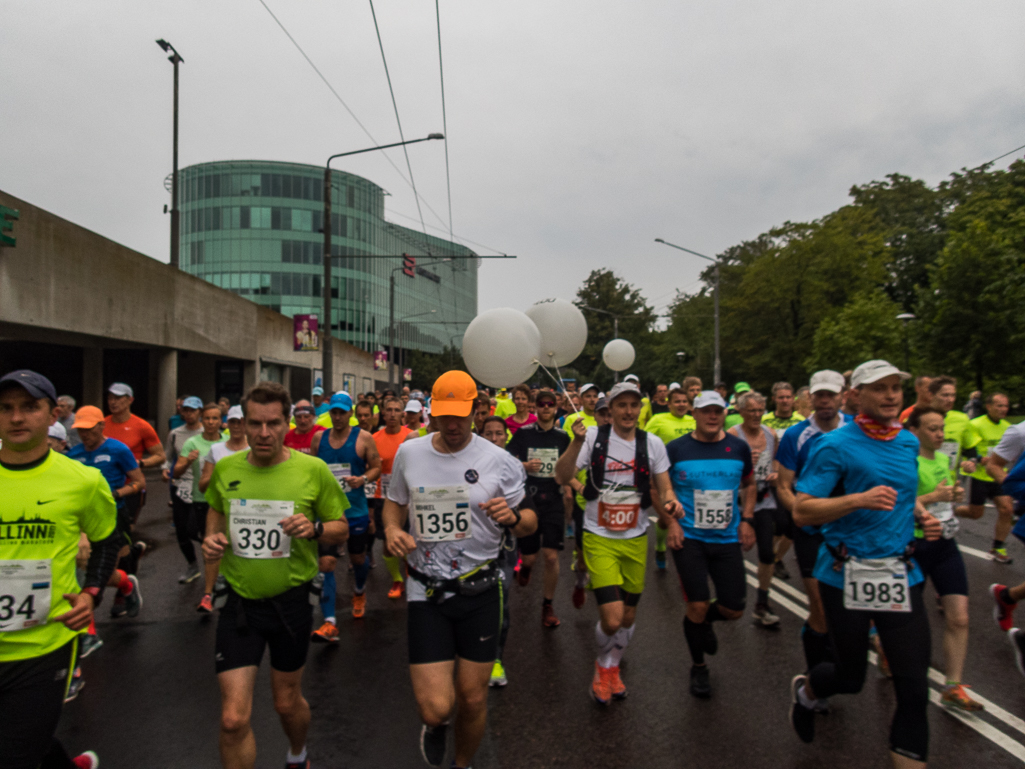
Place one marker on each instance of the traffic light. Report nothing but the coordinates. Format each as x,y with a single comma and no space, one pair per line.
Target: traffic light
408,265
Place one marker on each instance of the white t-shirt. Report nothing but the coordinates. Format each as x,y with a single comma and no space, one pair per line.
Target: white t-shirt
218,452
1012,444
481,469
763,467
619,471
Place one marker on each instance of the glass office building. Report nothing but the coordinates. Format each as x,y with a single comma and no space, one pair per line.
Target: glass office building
256,228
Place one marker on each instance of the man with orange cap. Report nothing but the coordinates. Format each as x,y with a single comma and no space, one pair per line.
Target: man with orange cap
459,493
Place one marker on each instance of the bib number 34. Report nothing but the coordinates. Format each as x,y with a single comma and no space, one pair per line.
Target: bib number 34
24,594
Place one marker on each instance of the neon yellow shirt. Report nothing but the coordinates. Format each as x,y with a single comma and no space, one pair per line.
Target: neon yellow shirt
504,407
982,435
669,427
43,511
567,423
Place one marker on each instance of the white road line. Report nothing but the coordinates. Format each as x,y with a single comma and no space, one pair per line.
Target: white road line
995,735
977,553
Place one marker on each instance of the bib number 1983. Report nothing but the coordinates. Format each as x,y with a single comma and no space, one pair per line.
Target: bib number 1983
876,585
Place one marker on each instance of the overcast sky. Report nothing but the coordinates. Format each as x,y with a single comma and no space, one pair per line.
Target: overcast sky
578,131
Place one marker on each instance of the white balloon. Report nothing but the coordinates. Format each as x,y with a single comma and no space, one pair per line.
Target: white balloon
563,330
618,355
501,347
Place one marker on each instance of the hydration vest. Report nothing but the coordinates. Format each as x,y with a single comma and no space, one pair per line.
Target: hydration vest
596,472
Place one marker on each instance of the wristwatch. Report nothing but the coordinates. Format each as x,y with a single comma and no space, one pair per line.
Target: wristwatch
318,530
748,521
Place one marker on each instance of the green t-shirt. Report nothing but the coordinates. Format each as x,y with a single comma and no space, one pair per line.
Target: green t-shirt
43,511
198,442
954,425
504,407
931,473
779,424
669,427
982,435
567,423
303,482
732,420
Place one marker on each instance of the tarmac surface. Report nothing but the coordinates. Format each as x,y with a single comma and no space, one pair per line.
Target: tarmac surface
151,697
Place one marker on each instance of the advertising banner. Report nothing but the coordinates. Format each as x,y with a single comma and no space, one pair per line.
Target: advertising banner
305,333
380,360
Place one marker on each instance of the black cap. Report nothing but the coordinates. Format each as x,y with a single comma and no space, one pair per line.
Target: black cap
37,385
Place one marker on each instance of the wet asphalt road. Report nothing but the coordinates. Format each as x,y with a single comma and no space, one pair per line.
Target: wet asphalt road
151,698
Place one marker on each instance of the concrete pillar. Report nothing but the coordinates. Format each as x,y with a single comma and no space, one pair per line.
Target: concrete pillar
286,378
92,376
250,374
167,387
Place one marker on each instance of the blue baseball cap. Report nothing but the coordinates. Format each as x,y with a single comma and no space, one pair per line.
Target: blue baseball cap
192,402
318,390
36,385
341,401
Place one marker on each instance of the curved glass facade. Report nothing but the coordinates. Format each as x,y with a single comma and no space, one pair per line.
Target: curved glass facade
256,228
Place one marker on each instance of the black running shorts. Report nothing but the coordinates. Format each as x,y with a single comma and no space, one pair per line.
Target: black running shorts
462,626
550,532
723,562
246,628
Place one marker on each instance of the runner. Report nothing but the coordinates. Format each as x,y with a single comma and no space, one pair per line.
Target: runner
194,454
365,417
320,406
941,560
923,397
865,575
659,404
305,417
588,400
627,481
267,506
522,417
802,402
351,455
66,409
414,415
692,386
668,426
458,491
118,467
780,420
38,644
538,446
849,398
504,405
57,437
1007,598
733,417
388,439
983,434
769,521
181,488
797,441
138,435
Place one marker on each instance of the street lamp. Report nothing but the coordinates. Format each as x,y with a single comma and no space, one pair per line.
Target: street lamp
717,374
175,59
615,328
906,317
327,362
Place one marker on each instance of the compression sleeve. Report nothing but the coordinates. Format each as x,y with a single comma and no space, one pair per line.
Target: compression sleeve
102,560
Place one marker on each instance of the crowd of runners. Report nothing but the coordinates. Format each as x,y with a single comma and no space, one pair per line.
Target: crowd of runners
470,493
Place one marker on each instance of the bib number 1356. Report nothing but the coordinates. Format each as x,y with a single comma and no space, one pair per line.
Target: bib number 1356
440,514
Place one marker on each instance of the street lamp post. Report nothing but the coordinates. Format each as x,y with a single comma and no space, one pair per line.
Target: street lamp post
391,316
906,317
175,59
327,361
717,374
615,328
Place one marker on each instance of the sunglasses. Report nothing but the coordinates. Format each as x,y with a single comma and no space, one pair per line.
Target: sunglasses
545,404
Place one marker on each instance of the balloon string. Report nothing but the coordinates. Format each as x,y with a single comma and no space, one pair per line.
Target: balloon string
559,384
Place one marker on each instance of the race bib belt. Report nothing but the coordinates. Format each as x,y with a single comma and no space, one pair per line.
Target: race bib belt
713,508
619,510
944,513
441,513
340,471
548,459
255,528
24,594
879,584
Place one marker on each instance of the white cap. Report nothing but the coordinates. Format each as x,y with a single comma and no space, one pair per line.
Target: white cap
235,412
587,387
874,370
621,389
674,386
826,380
631,378
414,406
57,431
120,388
709,398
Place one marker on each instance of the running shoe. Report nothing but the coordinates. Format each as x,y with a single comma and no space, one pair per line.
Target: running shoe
397,589
1003,612
548,618
88,644
801,718
298,764
77,684
359,605
206,604
578,597
660,559
764,617
133,601
569,530
699,684
432,743
601,684
118,609
87,760
498,678
192,573
523,576
1017,638
326,633
617,685
779,571
999,555
954,696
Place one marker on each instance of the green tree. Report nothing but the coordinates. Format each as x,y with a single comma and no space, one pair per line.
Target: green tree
428,366
863,329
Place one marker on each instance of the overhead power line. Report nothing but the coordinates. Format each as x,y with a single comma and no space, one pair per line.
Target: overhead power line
444,119
405,150
1000,157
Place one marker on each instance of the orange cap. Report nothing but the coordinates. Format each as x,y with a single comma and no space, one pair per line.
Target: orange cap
453,395
87,416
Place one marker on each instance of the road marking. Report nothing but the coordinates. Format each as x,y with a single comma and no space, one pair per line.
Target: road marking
977,553
986,730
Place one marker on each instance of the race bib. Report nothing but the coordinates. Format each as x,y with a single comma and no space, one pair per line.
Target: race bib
24,594
619,510
185,490
713,508
255,528
951,448
876,585
441,513
548,459
340,471
944,513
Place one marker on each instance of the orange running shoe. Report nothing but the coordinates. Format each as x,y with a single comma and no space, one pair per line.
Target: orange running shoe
601,684
397,589
618,687
548,618
955,696
359,605
326,633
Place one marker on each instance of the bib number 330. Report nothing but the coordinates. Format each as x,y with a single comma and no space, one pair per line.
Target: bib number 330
255,528
876,585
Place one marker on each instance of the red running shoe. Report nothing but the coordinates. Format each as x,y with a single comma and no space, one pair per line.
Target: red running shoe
1003,612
